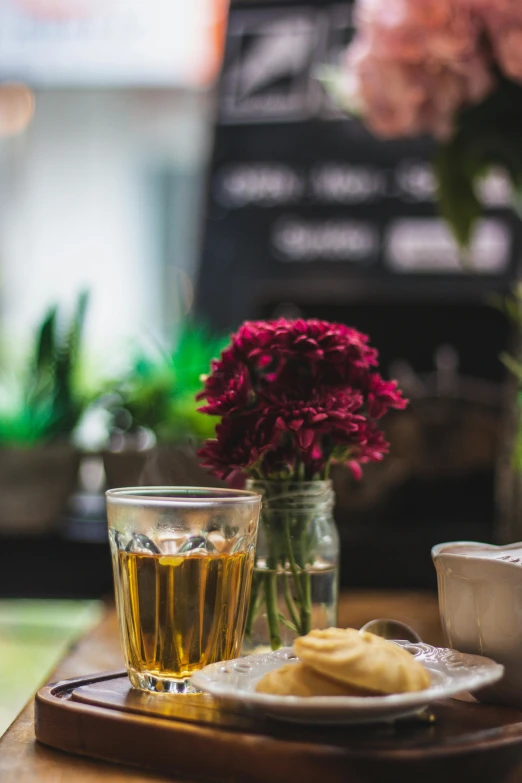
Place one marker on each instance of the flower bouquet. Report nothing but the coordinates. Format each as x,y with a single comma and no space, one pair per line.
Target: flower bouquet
293,397
449,68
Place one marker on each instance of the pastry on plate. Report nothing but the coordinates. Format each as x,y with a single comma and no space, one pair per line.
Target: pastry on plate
361,660
297,679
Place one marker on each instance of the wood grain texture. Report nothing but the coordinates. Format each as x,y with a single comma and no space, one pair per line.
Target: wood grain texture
22,760
197,735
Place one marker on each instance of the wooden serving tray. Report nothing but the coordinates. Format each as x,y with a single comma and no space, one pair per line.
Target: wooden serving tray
199,737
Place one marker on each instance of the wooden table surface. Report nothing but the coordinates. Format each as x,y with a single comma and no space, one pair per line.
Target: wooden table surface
23,760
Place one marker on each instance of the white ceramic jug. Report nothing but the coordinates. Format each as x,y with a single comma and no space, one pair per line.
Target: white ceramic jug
480,602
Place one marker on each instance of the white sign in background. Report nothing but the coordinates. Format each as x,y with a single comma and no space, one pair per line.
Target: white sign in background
104,42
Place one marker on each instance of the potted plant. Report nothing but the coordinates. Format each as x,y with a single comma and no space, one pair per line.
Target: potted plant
155,423
39,408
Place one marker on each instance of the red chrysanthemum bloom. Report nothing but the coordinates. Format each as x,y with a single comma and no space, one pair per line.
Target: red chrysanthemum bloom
323,412
238,446
382,395
296,395
227,394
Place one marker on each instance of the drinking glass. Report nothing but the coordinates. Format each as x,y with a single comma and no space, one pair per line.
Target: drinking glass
183,559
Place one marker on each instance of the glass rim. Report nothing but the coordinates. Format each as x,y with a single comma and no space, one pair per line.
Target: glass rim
183,496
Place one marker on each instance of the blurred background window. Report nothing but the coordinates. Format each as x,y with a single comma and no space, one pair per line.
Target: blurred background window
104,131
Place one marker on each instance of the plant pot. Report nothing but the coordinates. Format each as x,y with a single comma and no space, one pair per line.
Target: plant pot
35,484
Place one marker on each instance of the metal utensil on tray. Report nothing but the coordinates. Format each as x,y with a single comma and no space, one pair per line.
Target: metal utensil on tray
393,630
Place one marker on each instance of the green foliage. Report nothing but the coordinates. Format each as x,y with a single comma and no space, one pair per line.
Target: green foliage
456,171
489,134
511,307
514,366
42,403
160,392
333,81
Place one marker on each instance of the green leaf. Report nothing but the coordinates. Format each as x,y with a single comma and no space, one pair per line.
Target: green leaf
160,390
66,406
514,367
77,325
456,172
45,348
488,134
516,198
287,623
333,81
45,403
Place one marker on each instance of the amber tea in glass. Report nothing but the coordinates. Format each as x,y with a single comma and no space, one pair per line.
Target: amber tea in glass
183,561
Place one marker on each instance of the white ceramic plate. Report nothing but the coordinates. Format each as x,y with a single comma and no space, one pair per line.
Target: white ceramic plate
451,672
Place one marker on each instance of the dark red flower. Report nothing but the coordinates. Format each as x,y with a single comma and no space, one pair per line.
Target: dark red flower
227,394
296,393
372,446
323,411
238,445
382,395
355,468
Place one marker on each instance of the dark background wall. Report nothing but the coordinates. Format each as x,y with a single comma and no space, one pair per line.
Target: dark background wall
309,215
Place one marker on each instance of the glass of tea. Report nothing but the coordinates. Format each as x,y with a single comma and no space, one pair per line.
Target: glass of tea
183,559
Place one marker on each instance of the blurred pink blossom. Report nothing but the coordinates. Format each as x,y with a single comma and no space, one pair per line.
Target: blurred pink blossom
418,30
508,7
502,20
398,98
415,63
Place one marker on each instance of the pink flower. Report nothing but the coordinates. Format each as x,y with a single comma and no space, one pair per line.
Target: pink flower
508,48
441,31
502,20
413,65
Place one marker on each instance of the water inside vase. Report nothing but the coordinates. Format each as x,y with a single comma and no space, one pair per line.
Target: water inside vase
319,583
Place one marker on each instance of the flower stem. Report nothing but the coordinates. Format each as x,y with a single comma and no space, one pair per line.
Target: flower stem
288,541
291,559
254,604
290,602
272,614
306,607
305,585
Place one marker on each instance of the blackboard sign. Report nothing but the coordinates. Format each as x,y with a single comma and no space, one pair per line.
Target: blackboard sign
310,215
305,206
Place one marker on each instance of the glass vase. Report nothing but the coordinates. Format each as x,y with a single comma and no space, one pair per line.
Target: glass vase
508,489
296,572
